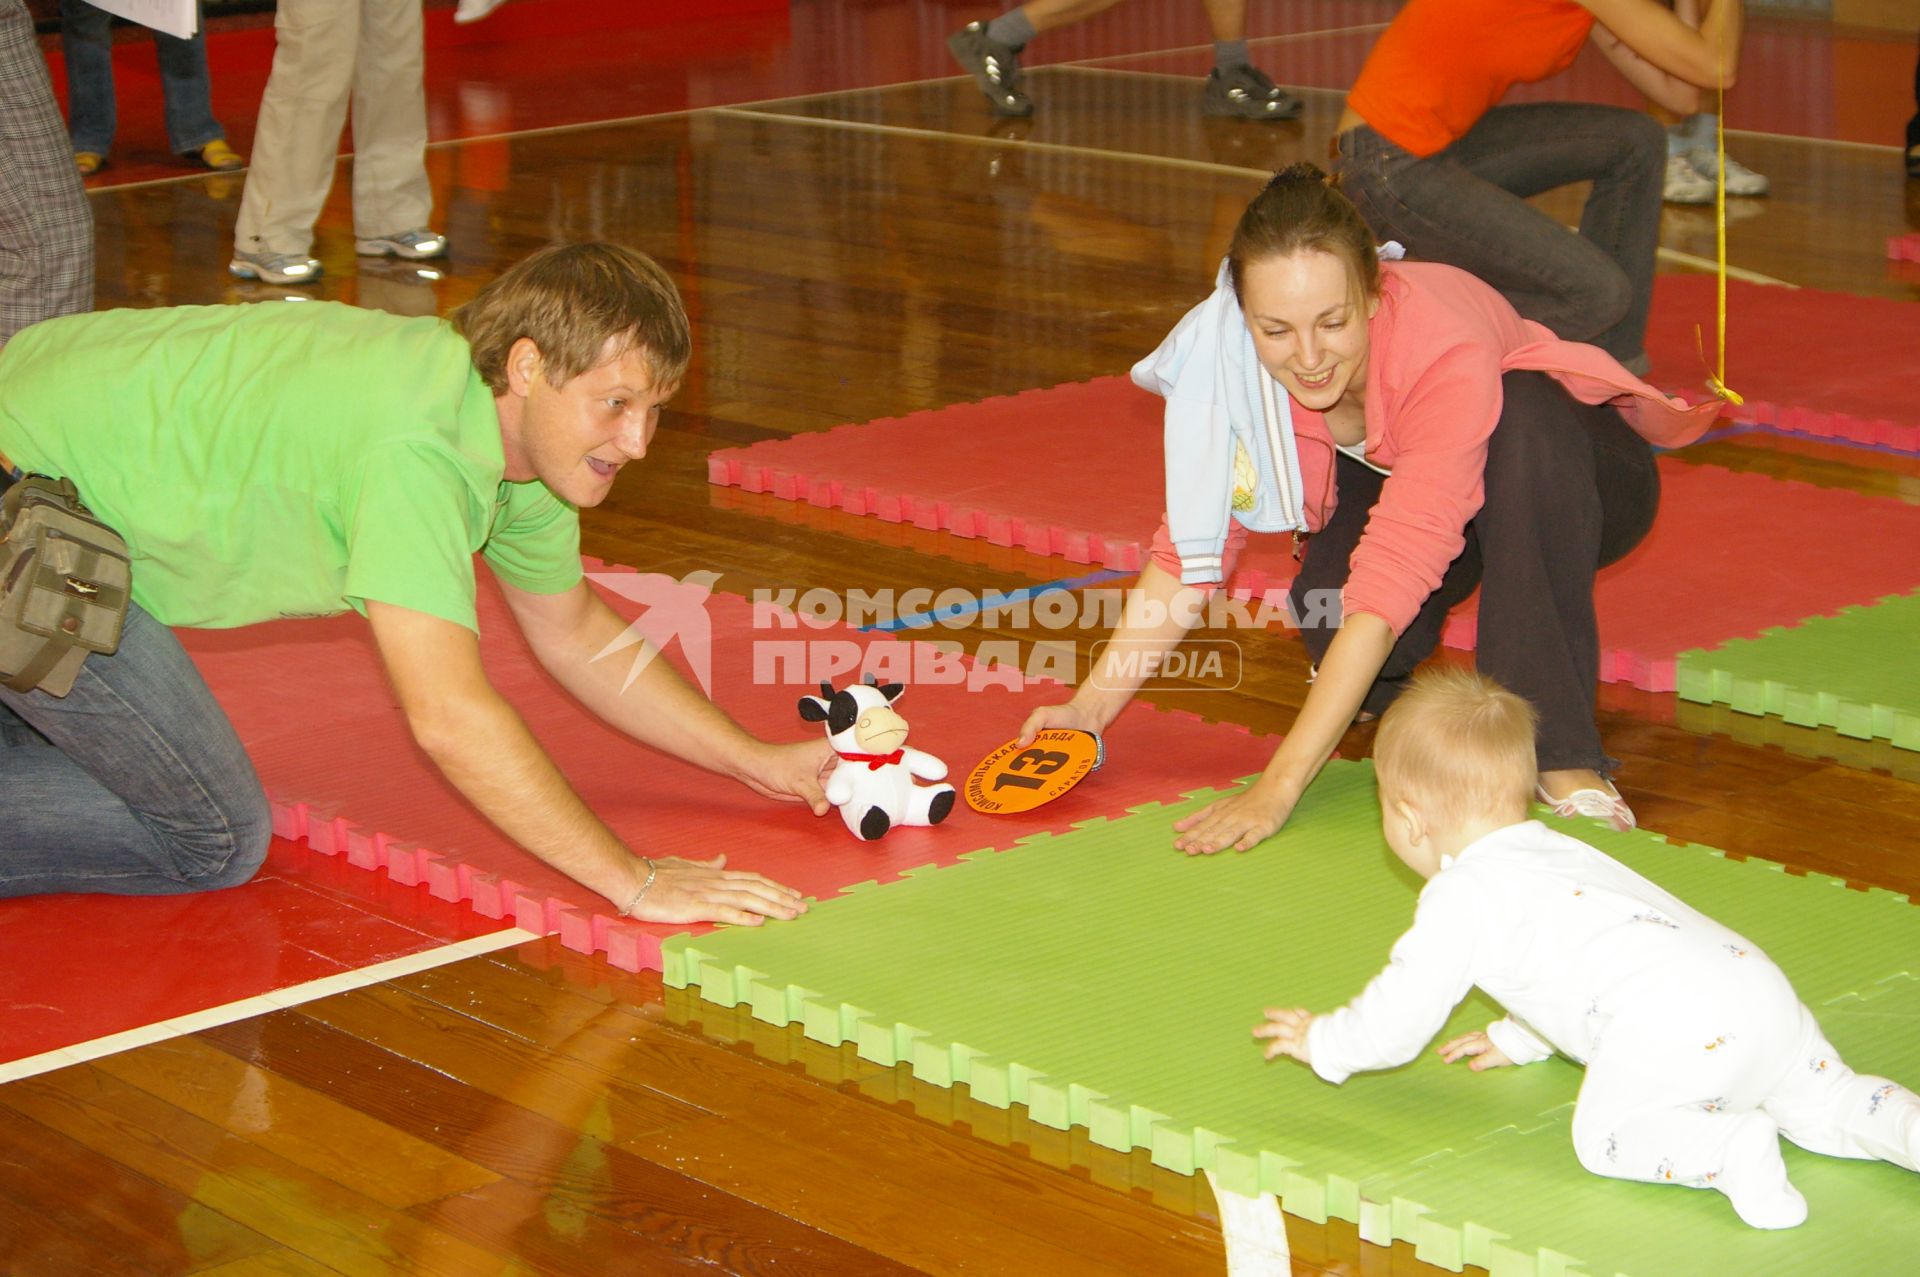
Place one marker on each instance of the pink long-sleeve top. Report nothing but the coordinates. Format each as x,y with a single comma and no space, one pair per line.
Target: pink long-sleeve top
1438,345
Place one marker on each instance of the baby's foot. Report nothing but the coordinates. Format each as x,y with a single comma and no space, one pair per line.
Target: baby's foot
1755,1178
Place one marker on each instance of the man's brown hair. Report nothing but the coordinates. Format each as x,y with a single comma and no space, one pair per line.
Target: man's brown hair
570,300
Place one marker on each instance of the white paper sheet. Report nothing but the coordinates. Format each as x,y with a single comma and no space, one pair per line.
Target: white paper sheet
175,17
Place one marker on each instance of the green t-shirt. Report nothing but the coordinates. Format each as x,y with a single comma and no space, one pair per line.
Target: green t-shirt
280,459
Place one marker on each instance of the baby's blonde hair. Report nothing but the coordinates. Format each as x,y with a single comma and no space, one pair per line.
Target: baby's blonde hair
1459,745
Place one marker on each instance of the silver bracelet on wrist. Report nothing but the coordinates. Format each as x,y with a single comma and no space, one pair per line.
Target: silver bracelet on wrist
626,910
1099,751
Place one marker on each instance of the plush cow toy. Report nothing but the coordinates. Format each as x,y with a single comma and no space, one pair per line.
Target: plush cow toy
873,783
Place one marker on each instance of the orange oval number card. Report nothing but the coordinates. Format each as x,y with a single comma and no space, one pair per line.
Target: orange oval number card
1015,778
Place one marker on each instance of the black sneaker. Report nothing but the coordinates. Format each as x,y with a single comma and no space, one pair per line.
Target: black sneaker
1246,92
995,67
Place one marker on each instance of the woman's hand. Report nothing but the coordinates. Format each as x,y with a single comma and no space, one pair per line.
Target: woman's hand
1070,716
1239,821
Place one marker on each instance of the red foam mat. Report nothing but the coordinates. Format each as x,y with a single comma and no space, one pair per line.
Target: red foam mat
1830,365
78,967
315,711
1074,471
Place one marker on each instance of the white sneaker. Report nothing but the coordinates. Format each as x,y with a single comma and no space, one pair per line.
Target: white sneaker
1684,184
474,10
275,268
414,245
1741,180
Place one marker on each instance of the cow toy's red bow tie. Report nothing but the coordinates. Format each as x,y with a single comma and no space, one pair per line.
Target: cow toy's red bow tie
875,762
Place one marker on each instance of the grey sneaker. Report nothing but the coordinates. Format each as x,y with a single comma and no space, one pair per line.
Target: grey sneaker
1246,92
1684,185
275,268
413,245
1741,180
995,67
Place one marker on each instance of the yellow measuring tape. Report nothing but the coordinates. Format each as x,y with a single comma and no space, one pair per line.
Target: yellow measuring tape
1717,381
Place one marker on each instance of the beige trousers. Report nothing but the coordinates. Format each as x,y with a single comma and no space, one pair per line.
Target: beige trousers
324,52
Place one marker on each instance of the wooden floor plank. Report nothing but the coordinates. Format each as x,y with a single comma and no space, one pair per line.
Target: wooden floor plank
985,1189
579,1200
32,1247
322,1219
273,1263
309,1129
65,1188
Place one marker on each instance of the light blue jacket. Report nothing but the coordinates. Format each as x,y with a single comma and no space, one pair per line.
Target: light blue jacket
1217,392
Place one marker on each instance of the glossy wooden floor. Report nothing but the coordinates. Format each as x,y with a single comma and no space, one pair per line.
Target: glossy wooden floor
843,257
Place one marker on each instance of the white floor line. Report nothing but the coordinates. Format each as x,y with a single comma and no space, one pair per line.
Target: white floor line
278,1000
1302,89
1673,255
1707,264
1254,42
1060,148
1818,141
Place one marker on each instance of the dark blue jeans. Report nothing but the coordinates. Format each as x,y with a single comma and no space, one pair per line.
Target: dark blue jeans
1466,206
86,37
132,784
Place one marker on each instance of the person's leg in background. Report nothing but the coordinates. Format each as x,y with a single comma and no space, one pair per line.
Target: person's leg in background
1913,125
1467,206
86,42
1693,147
46,226
187,90
131,784
297,142
1235,86
990,52
392,199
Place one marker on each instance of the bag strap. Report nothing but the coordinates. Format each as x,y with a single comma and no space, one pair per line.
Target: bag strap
50,654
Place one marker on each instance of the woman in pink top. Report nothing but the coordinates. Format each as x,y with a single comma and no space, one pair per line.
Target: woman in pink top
1437,442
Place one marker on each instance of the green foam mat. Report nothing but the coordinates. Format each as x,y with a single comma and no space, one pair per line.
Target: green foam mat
1104,980
1857,672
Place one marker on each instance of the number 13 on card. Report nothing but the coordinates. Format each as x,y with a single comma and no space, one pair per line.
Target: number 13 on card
1015,779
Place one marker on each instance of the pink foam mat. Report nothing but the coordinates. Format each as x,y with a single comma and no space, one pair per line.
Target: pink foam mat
1904,248
1074,470
1830,365
315,711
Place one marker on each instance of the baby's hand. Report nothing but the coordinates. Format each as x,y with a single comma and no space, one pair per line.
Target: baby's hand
1286,1031
1478,1045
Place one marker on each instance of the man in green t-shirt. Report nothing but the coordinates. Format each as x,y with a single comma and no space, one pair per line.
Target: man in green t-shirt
283,460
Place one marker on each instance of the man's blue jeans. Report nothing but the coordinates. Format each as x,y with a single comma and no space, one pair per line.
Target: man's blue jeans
1466,206
86,38
134,783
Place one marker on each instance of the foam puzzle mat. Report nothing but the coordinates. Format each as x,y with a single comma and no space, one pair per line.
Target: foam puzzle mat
1104,980
1707,572
312,704
1857,672
1829,365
